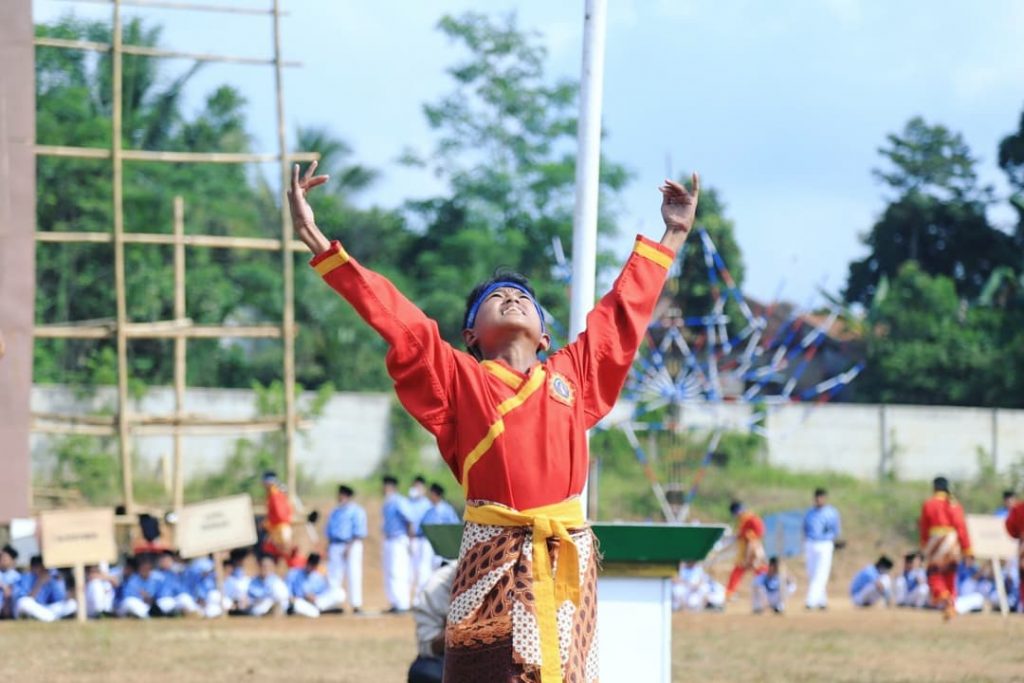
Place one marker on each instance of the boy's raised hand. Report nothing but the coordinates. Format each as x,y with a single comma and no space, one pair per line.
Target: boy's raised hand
679,206
303,220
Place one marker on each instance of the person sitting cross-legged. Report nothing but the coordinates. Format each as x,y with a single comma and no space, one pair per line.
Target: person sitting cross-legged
311,593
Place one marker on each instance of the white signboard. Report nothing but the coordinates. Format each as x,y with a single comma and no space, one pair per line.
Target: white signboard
77,537
216,525
989,538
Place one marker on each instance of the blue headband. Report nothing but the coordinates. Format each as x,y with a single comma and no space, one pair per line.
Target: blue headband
471,317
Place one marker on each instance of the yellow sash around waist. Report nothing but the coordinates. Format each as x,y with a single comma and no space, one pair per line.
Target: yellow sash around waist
549,521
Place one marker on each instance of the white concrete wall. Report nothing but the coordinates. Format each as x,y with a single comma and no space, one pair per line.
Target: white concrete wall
351,438
826,437
348,441
912,442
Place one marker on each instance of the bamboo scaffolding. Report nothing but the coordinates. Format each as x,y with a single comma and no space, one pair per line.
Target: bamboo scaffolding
124,424
208,241
73,152
145,51
127,474
180,342
287,263
165,4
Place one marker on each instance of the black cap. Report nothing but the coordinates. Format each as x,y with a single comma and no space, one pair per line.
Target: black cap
344,490
313,560
270,477
820,492
735,507
389,479
36,561
1008,493
941,484
884,563
437,489
773,561
9,549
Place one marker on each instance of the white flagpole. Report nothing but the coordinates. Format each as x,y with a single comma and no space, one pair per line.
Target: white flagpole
588,162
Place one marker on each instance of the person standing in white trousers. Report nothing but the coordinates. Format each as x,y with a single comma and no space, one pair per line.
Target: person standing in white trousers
421,553
345,531
822,527
395,549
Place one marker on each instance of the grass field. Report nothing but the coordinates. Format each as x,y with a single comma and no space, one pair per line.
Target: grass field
839,645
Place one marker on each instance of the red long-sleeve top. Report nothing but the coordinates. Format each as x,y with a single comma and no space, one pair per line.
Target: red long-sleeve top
751,526
279,508
940,514
1015,521
509,437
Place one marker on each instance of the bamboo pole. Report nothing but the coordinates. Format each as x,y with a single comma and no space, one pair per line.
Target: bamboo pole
165,4
148,420
287,262
146,51
169,156
127,477
207,241
179,347
159,331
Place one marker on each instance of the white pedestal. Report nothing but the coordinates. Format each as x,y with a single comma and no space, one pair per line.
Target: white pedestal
634,617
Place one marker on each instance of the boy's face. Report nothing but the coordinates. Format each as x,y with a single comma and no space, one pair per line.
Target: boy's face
6,561
504,313
267,566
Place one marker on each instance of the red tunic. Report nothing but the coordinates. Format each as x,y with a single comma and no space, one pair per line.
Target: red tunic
511,438
279,509
1015,522
941,515
751,527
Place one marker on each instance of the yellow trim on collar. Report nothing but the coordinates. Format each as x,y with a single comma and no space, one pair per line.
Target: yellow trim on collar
535,382
504,374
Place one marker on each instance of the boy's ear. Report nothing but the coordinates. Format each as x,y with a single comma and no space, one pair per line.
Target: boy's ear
469,338
545,342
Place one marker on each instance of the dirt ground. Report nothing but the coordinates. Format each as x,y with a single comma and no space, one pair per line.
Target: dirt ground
839,645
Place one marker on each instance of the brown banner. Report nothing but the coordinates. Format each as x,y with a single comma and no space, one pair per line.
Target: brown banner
17,252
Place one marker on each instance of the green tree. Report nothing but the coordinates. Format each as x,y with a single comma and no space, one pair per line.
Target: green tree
926,346
936,218
506,148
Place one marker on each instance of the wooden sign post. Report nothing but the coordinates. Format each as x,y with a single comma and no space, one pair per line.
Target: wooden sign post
215,526
990,541
75,538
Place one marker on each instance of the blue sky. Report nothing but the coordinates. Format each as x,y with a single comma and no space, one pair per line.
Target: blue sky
781,106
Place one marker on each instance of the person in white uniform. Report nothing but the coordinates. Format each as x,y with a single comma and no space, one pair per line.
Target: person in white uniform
42,594
911,587
771,588
398,529
346,531
822,526
693,590
873,584
421,555
311,593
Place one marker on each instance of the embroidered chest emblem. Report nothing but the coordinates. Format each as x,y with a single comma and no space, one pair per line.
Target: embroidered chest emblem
561,390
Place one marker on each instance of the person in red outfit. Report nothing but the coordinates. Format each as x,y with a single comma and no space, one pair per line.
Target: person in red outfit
944,541
750,553
278,523
1015,527
512,429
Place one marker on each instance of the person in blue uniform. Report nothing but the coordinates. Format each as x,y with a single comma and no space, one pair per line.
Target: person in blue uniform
398,527
346,531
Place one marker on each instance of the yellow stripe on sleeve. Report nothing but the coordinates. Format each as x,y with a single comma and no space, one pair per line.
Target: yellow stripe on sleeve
652,254
331,262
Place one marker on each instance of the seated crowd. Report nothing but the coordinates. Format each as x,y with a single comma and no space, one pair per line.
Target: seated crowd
161,585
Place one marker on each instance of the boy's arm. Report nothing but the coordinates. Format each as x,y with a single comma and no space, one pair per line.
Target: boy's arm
419,360
603,353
